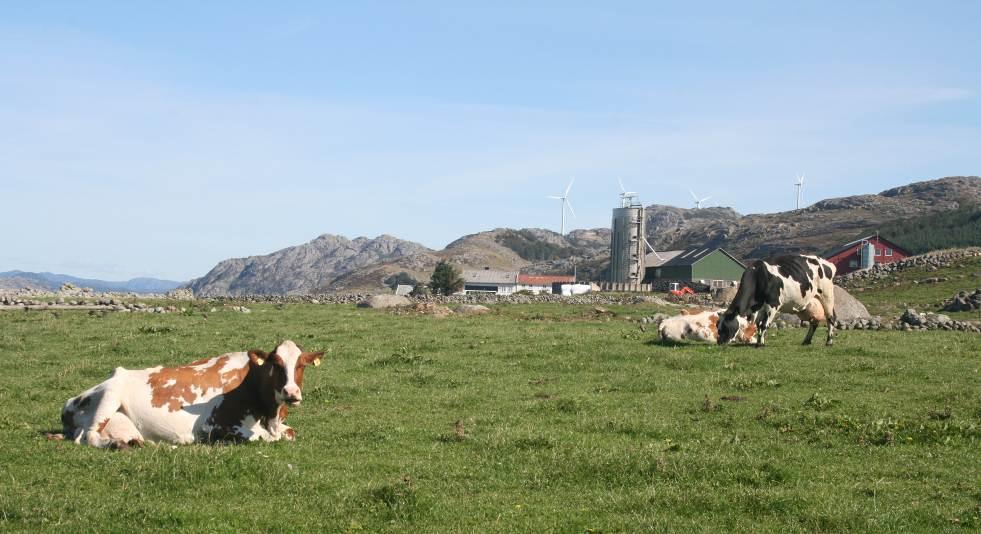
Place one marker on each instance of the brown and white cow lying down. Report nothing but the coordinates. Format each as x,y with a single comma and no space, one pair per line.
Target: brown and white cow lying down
239,396
701,326
704,326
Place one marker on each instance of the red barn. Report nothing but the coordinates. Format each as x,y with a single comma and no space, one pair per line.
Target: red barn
863,253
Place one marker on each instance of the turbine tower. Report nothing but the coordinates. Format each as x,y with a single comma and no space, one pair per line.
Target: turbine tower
565,203
698,201
799,184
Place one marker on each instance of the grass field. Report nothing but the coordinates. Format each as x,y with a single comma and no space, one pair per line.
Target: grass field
567,422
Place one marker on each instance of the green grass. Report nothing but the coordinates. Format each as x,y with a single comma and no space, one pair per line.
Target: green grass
569,421
886,298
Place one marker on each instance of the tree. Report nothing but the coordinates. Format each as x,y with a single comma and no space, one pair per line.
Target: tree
445,280
403,278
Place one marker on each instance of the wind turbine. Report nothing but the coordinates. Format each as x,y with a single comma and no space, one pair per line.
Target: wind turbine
698,201
626,197
799,184
565,203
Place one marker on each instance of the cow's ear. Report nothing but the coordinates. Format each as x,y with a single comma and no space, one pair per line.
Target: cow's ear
257,357
312,357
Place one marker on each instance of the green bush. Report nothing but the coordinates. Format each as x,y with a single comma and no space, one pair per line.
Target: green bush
445,280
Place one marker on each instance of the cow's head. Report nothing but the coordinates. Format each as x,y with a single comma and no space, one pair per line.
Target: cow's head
281,371
728,326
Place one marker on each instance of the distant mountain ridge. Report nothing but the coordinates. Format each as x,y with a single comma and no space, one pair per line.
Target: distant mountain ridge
334,263
53,282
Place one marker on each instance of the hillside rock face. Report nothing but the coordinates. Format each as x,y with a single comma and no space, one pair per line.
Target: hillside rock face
492,249
303,268
813,230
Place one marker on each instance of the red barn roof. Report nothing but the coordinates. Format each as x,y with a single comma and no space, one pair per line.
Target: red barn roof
848,257
874,238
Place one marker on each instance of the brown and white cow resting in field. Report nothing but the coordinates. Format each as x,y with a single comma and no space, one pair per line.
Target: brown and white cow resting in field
701,326
239,396
802,285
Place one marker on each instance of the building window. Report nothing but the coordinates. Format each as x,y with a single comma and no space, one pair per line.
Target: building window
853,263
888,252
878,252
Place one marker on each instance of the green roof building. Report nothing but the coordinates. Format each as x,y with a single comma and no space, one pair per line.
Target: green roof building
710,266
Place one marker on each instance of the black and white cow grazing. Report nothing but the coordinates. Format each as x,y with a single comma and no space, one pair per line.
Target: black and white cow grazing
784,284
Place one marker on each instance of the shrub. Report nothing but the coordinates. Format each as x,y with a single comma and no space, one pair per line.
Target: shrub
445,280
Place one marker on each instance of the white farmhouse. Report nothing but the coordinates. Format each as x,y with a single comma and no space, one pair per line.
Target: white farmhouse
488,281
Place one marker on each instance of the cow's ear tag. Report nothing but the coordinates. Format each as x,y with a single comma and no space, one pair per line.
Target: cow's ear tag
259,361
316,362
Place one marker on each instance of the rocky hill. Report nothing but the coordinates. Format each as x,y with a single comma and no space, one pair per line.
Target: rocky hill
334,263
303,268
532,250
815,229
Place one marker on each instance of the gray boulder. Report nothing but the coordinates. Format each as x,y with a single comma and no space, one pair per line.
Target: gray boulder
724,295
911,318
471,309
789,319
847,307
384,301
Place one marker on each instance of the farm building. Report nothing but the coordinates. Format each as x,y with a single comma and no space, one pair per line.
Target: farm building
403,290
488,281
864,253
657,259
705,265
543,283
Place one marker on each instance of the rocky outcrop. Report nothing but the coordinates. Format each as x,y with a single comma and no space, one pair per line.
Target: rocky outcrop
815,229
964,301
303,268
912,320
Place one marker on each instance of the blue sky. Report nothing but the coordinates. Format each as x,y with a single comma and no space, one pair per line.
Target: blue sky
158,138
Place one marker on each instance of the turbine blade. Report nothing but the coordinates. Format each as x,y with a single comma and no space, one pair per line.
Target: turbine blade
622,188
555,197
693,195
569,187
704,199
572,211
